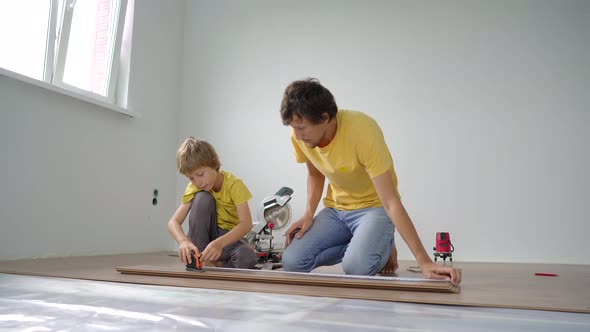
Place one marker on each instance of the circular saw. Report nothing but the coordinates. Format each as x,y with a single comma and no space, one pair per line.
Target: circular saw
274,214
276,209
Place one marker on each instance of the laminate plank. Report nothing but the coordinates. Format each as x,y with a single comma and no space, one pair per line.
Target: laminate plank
288,278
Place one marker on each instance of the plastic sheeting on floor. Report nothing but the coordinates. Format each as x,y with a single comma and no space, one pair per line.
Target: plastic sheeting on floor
48,304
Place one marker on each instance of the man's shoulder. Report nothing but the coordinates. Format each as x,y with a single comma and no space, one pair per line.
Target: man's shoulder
356,120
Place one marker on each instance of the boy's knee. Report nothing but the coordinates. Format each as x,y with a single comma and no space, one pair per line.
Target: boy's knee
245,258
202,199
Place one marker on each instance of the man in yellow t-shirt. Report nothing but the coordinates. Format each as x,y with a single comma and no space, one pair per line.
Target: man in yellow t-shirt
216,203
362,204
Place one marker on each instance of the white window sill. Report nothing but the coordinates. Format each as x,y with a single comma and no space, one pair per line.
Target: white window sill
60,90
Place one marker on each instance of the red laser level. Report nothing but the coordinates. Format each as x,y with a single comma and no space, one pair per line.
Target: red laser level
444,248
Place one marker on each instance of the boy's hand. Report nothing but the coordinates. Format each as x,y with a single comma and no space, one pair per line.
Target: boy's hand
184,251
212,252
435,271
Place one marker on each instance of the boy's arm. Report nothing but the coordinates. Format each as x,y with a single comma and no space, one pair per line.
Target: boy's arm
397,213
315,188
215,248
174,227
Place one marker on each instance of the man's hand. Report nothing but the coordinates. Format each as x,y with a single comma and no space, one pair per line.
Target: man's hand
391,264
213,251
298,229
184,251
435,271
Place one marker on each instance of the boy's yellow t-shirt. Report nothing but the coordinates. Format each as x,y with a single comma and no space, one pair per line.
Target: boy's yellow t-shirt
233,193
357,154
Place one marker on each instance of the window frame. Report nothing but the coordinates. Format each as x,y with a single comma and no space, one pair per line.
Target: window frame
56,44
58,66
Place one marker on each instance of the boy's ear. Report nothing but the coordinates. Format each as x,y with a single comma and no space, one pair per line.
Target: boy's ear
325,117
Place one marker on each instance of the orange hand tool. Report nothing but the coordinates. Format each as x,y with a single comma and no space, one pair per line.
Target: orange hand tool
195,264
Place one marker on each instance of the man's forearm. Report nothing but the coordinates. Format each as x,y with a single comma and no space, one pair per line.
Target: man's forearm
399,216
315,187
408,233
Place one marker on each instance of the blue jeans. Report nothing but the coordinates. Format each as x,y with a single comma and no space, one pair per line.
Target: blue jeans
361,239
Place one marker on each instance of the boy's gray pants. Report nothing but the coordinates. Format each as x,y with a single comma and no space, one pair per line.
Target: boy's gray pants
203,229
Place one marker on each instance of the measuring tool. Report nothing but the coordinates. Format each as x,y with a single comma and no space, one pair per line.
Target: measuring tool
195,265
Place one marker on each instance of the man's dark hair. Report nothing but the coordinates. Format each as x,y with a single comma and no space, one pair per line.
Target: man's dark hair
307,99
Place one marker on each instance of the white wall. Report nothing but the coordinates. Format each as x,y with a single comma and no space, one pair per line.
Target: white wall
484,106
76,179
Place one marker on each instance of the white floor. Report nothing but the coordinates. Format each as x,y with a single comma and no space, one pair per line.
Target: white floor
51,304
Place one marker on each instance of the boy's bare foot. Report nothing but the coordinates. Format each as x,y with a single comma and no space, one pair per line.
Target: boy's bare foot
214,263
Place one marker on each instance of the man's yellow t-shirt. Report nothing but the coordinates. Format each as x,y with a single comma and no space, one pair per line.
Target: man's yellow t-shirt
357,154
233,193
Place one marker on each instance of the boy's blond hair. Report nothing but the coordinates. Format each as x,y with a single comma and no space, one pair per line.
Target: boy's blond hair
194,153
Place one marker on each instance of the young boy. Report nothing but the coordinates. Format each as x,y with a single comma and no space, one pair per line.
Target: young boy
216,203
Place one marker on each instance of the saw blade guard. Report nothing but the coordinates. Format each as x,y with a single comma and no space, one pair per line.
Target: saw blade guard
276,209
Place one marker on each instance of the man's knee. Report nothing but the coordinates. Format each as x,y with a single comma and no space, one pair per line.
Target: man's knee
361,266
293,262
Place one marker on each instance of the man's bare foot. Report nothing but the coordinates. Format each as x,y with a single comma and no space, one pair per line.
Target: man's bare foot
391,265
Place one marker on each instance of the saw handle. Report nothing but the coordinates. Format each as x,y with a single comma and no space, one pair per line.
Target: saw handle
284,191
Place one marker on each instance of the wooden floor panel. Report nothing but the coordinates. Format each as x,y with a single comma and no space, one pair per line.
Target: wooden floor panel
484,284
289,278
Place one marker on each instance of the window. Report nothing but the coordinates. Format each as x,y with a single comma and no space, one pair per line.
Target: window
73,44
24,52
